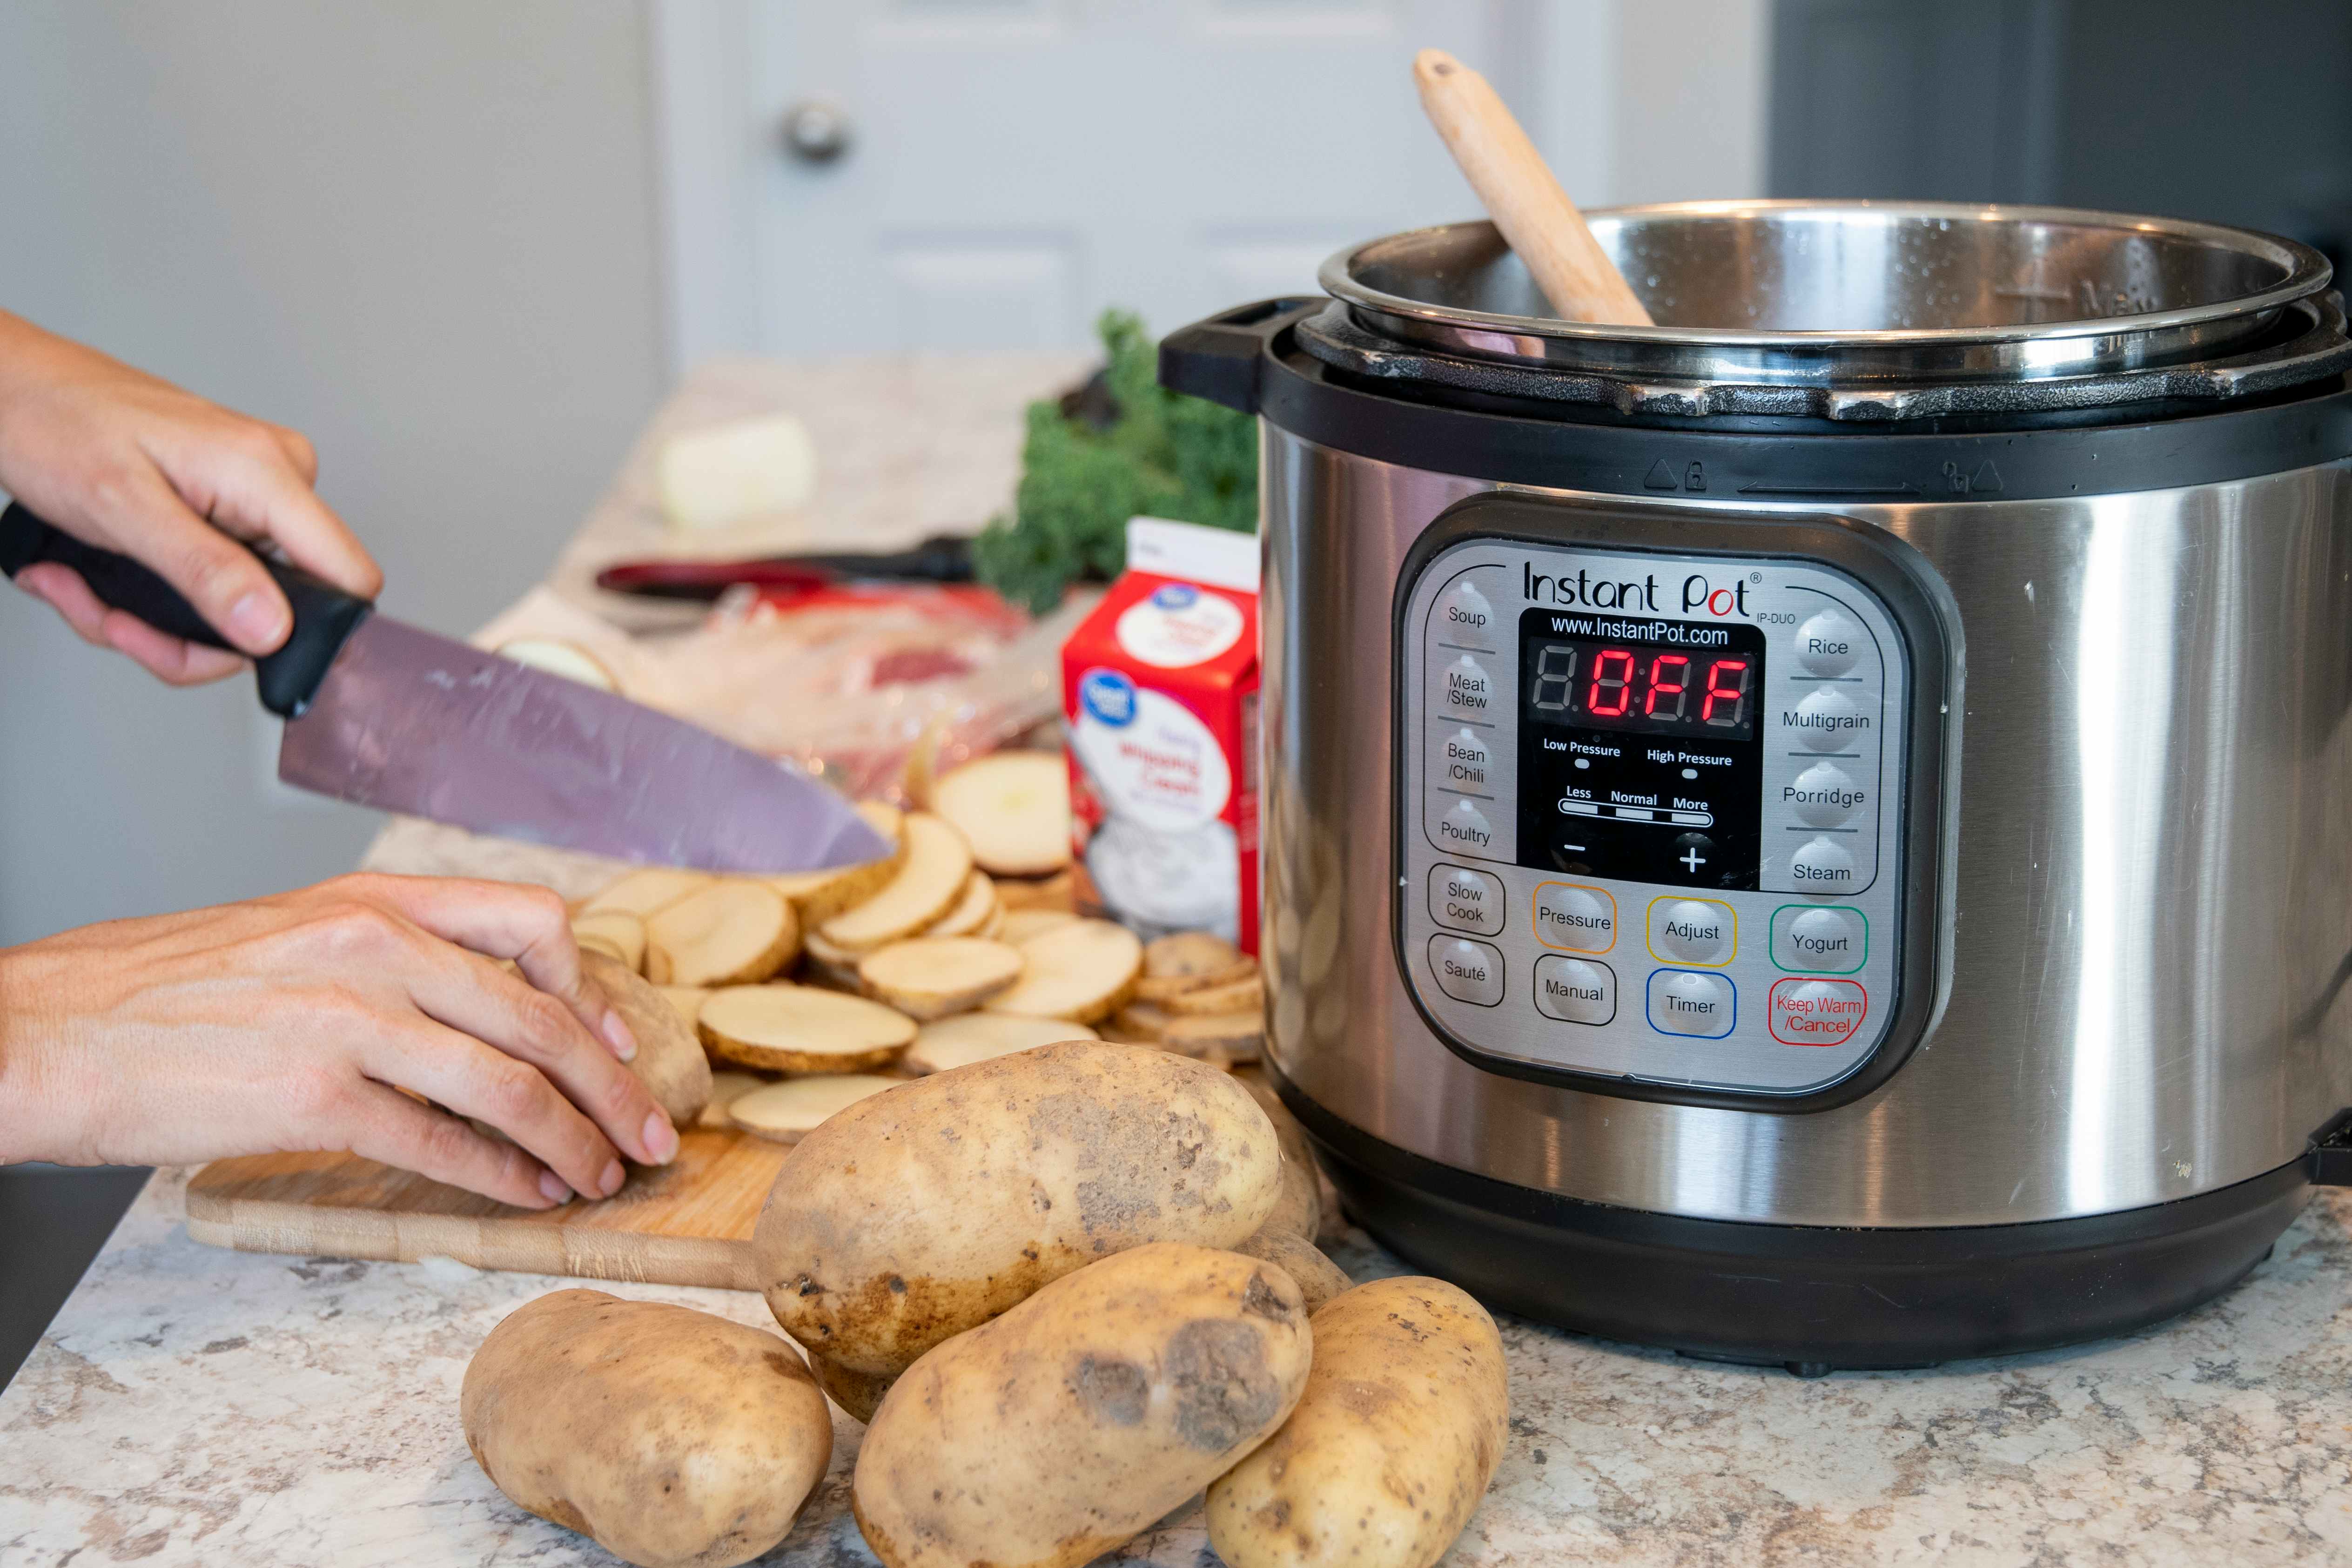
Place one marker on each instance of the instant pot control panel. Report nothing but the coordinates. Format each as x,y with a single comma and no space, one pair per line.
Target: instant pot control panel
1662,818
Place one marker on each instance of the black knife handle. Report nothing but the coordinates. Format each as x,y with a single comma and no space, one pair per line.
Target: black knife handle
324,615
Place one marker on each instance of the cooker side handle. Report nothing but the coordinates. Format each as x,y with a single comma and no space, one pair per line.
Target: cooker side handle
1218,358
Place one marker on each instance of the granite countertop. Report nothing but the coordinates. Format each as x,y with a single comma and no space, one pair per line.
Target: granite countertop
192,1405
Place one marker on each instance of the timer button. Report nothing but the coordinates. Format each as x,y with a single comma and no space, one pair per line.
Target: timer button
1466,971
1466,691
1579,919
1575,990
1827,721
1465,827
1824,795
1825,940
1693,931
1684,1002
1465,899
1822,865
1829,643
1464,615
1463,760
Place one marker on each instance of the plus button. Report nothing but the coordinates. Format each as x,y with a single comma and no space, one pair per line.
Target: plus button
1692,860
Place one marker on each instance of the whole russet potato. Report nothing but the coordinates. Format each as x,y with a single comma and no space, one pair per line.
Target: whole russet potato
1390,1449
669,1060
916,1214
1059,1430
674,1439
1318,1278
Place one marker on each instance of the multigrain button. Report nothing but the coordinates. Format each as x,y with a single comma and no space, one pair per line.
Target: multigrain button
1579,919
1463,760
1829,643
1683,1002
1575,990
1827,939
1465,899
1693,931
1464,690
1466,971
1465,827
1822,865
1824,795
1464,616
1827,721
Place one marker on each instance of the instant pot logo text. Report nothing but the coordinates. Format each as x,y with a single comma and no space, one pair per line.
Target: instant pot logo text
1630,593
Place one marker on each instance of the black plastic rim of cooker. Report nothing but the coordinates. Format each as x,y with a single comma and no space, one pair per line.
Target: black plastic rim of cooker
1249,359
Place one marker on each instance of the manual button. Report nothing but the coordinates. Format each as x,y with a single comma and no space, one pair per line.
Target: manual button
1466,691
1683,1002
1466,971
1693,931
1575,990
1465,899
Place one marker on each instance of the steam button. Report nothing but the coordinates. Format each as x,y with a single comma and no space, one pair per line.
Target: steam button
1822,865
1829,643
1466,971
1684,1002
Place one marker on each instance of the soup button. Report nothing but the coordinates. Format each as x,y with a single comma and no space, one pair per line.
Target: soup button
1466,971
1816,1012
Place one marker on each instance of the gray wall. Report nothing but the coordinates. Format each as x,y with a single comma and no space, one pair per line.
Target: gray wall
422,232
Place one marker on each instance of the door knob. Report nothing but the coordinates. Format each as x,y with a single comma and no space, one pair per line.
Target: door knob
816,130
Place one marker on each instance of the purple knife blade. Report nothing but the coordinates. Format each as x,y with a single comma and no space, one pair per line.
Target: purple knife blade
412,722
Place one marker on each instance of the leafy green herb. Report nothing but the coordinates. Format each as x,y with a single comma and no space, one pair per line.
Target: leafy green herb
1146,450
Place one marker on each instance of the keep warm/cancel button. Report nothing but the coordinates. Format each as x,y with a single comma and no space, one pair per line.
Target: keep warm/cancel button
1816,1012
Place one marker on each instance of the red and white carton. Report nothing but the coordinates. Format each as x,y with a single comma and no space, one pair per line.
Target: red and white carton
1160,694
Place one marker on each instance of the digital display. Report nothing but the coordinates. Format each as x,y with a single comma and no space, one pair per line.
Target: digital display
1619,685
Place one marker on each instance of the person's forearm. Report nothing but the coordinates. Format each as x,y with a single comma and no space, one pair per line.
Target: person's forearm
41,1116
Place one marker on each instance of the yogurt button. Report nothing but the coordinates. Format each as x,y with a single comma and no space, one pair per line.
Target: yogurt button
1822,865
1682,1003
1575,990
1830,940
1828,721
1466,971
1824,795
1696,930
1829,643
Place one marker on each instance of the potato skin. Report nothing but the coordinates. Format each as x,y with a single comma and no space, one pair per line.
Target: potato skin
916,1214
674,1439
670,1059
1057,1432
1318,1278
1393,1446
1300,1211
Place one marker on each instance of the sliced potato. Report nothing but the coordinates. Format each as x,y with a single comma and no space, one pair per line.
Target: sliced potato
1190,956
615,933
969,1037
686,999
1058,891
1083,970
802,1029
1020,925
1244,995
729,933
788,1111
558,656
648,890
926,886
971,912
818,895
726,1089
1225,1038
1013,808
932,977
827,964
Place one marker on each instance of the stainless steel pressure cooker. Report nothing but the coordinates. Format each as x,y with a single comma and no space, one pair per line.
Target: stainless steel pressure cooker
1819,832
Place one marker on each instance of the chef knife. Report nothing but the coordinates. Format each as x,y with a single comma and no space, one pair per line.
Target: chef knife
383,714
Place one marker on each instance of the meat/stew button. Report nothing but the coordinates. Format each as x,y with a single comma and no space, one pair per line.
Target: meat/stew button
1466,971
1816,1012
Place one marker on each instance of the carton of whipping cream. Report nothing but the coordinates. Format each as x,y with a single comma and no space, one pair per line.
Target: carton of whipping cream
1160,694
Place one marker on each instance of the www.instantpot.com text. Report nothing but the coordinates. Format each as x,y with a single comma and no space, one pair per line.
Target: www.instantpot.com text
1681,632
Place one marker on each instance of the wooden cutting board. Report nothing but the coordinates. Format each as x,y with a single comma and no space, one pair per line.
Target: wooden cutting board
687,1223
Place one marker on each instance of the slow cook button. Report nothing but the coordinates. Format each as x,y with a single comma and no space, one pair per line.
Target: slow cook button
1828,721
1824,795
1816,1012
1464,615
1829,643
1575,990
1465,827
1465,899
1463,761
1464,690
1822,865
1828,939
1466,971
1579,919
1693,931
1684,1001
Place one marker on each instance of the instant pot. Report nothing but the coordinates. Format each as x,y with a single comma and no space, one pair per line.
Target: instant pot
1819,832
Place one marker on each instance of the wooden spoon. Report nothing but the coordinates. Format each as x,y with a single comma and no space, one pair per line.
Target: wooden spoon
1533,214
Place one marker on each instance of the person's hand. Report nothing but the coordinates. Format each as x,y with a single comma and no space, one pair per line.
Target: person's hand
131,463
294,1022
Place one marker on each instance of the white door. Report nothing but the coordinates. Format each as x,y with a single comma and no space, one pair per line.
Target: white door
1010,167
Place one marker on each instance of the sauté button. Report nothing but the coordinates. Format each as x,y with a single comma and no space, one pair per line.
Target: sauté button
1466,971
1828,939
1684,1002
1465,690
1465,899
1464,615
1815,1012
1829,643
1465,827
1828,721
1824,795
1580,918
1822,865
1695,930
1463,760
1575,990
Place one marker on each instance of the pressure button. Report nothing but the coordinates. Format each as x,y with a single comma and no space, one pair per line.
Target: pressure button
1579,919
1684,1002
1465,900
1466,971
1693,931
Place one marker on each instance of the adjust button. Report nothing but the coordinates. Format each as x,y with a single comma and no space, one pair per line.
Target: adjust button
1824,795
1693,931
1464,691
1466,971
1684,1002
1463,761
1575,990
1828,721
1465,827
1465,899
1829,643
1579,919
